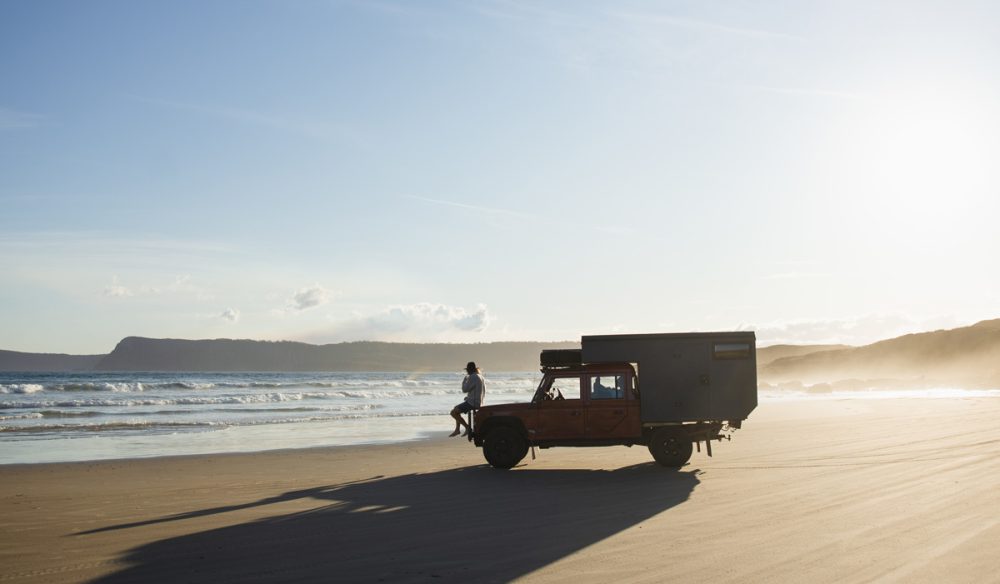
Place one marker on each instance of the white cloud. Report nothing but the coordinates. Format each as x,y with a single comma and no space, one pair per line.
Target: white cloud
310,297
116,290
430,317
419,322
230,314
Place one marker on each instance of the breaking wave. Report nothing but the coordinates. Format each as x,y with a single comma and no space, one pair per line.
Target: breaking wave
429,387
143,425
21,388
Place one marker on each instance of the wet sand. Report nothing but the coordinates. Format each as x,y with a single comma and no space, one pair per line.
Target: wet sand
817,491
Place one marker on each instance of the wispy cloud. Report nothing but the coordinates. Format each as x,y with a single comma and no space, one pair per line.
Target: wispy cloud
513,10
808,92
633,42
180,285
477,208
702,25
73,247
321,130
384,7
13,119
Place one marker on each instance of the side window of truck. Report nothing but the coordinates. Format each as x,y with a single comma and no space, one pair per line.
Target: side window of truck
569,387
731,350
607,387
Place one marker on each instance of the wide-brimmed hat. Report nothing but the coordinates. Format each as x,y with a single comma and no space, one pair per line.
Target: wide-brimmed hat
471,366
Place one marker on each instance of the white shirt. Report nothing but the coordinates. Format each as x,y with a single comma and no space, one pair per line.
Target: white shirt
474,386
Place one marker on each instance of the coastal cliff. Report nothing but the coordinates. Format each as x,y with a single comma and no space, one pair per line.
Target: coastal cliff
143,354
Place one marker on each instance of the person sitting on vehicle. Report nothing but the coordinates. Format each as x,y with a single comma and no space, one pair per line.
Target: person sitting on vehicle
602,391
474,387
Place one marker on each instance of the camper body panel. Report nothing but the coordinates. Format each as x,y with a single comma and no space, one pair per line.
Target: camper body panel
685,377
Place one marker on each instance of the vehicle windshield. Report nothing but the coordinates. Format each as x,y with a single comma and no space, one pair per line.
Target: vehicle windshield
558,386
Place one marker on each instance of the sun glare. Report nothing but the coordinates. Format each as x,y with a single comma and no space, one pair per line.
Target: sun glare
925,153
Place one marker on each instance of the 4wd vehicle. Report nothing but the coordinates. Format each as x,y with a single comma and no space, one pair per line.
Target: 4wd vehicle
664,391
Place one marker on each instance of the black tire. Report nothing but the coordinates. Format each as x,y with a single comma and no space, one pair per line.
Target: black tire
504,447
670,446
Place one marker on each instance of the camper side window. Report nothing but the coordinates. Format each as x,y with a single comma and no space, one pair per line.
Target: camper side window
731,350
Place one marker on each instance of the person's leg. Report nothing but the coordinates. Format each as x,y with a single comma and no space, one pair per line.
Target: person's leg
455,413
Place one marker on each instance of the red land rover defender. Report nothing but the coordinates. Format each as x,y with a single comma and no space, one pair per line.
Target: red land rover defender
694,387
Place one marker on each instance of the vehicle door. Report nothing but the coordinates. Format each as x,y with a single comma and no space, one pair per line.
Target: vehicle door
562,416
612,409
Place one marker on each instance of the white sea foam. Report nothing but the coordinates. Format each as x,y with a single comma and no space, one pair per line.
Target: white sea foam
21,388
136,424
121,403
26,416
356,388
122,387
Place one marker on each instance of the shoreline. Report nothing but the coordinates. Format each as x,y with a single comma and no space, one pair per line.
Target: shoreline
397,429
206,455
827,491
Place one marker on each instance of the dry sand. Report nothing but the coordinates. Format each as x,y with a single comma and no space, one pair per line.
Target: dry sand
821,491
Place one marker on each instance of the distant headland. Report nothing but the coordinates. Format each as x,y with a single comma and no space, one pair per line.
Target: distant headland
961,357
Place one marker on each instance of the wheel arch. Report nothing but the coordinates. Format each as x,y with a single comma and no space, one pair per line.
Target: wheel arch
496,421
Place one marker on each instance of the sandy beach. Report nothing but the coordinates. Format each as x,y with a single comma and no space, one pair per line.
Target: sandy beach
817,491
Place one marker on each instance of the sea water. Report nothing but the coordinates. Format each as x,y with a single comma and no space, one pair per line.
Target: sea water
56,417
51,417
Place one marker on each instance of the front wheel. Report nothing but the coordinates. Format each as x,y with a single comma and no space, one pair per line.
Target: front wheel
670,446
504,447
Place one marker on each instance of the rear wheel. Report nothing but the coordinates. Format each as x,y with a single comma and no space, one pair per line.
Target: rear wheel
670,446
504,447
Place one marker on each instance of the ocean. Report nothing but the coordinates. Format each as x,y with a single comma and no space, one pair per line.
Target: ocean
57,417
61,417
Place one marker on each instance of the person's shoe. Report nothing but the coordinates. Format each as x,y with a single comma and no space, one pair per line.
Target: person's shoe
453,434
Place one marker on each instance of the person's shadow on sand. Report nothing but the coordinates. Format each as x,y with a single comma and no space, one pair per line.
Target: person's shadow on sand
473,523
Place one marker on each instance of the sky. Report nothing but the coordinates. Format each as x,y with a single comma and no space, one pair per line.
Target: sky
475,171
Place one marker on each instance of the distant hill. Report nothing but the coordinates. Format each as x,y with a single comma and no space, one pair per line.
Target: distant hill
766,355
18,361
962,357
142,354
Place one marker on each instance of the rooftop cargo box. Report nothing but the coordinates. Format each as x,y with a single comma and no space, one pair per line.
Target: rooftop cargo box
686,377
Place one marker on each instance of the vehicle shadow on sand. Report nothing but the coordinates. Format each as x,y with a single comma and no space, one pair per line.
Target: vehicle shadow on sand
473,523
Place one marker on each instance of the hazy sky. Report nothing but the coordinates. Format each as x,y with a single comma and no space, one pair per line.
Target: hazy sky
495,170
